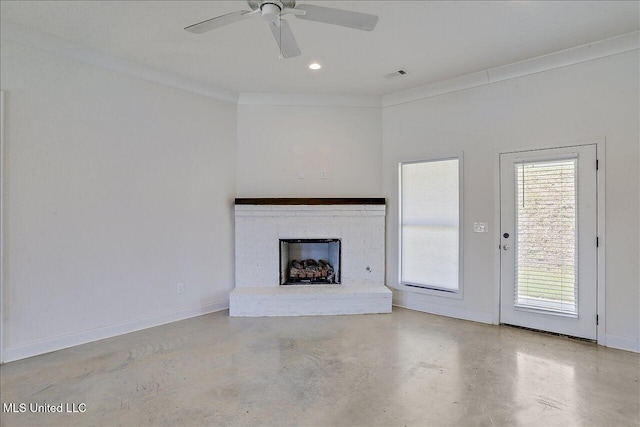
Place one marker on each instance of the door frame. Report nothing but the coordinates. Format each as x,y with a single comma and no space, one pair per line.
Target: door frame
2,173
600,221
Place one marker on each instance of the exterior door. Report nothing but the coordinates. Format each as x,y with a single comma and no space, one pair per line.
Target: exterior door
548,235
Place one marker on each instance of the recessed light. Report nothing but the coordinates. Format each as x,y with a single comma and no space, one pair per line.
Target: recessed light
315,66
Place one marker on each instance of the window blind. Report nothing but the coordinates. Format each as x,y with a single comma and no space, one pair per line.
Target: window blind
430,205
546,258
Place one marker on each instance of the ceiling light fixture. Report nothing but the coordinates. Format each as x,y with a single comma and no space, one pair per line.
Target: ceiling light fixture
315,66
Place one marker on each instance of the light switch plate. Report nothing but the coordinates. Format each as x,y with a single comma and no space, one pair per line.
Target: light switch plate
480,227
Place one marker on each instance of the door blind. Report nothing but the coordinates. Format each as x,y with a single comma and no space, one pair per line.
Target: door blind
546,235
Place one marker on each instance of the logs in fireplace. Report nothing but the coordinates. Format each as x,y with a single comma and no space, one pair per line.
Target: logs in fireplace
310,261
311,271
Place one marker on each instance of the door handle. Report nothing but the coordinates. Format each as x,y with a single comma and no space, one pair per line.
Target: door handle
505,247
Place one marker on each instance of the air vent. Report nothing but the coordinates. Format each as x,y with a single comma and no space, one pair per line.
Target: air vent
399,73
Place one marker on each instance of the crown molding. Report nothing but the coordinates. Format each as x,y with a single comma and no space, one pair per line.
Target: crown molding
600,49
304,100
27,37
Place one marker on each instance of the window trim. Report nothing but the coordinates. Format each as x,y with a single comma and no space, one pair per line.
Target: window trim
440,292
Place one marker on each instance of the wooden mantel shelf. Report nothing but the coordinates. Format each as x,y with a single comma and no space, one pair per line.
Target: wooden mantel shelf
311,201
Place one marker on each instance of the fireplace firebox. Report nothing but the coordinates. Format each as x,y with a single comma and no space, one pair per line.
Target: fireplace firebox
310,261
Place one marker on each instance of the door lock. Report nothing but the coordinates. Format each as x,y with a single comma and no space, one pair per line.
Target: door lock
505,247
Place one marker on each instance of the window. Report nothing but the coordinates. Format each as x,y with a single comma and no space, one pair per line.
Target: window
430,224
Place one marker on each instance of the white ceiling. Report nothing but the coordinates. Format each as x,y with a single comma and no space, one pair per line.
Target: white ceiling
433,40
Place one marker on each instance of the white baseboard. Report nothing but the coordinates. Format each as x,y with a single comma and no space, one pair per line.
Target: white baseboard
418,302
71,340
622,343
65,341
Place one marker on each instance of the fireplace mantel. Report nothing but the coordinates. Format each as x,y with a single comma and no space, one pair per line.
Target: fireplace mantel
311,201
260,224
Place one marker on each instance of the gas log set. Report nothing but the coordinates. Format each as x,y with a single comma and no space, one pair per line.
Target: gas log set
311,271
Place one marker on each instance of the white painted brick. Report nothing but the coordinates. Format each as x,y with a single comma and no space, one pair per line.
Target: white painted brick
309,301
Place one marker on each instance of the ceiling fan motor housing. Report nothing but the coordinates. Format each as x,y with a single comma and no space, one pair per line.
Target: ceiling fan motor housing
271,10
257,4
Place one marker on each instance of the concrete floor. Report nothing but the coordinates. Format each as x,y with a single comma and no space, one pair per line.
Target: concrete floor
405,368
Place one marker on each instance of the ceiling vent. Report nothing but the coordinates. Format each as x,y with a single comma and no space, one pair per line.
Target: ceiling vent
399,73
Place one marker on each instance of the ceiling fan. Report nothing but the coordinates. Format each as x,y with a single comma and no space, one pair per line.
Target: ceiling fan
272,11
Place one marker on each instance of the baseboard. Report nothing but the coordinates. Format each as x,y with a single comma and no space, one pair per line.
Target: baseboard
417,302
58,343
622,343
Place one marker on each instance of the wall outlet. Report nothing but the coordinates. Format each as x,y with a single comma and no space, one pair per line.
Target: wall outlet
180,288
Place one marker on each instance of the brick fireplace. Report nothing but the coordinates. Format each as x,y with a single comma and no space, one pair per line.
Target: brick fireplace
332,250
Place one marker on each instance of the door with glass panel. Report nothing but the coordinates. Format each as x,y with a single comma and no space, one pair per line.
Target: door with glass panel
548,246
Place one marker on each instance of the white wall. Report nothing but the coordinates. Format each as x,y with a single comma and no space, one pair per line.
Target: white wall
577,103
276,142
116,190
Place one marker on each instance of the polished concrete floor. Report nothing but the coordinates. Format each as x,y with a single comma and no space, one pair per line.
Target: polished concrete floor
401,369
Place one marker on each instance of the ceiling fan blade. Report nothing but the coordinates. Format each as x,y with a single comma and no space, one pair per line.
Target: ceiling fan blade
284,37
219,21
293,11
344,18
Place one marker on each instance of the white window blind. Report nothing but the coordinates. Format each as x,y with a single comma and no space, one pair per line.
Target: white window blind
430,218
546,267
